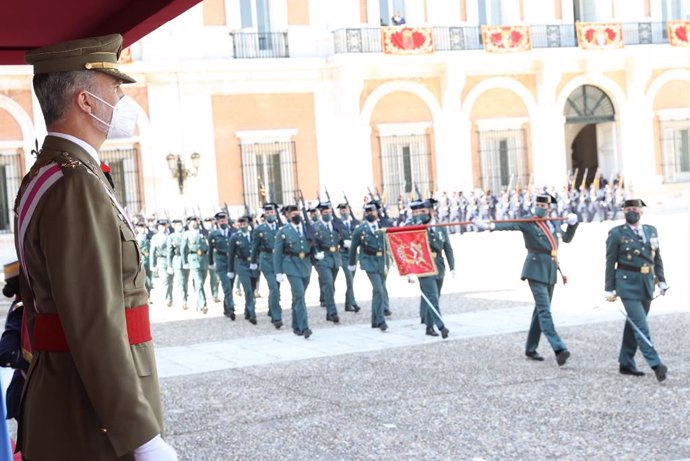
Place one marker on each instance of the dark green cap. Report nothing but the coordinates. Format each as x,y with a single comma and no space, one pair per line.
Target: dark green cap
95,53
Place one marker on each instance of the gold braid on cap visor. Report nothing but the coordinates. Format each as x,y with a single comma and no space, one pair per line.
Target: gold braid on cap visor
100,65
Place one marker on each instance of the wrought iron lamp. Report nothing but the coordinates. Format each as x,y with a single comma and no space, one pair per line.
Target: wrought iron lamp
180,171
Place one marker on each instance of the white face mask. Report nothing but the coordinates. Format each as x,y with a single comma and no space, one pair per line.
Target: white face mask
123,120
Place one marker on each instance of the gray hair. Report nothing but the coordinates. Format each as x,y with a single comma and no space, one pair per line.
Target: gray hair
54,91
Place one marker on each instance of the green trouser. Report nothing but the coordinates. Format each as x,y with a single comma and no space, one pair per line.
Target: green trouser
226,284
274,309
214,279
541,318
327,277
637,310
349,281
422,304
379,297
181,283
249,302
429,286
198,279
298,285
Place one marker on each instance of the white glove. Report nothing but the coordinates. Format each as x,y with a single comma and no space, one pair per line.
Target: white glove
319,255
572,219
185,266
280,278
231,275
253,267
347,243
662,288
155,450
170,270
610,296
452,273
483,225
351,268
212,267
155,273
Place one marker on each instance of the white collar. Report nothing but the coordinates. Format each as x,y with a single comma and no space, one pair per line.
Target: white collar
81,143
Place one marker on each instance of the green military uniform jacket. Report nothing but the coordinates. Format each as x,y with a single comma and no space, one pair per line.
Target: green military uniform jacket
159,250
327,241
145,247
218,245
539,265
372,256
440,244
263,241
101,399
292,252
626,256
239,254
194,249
175,259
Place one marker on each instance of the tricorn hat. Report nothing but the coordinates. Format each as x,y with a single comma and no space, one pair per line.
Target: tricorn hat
94,53
288,208
546,198
634,202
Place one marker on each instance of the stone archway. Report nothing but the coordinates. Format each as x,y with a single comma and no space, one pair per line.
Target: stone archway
590,134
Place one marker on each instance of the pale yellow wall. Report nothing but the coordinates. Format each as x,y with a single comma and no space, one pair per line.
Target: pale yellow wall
214,12
232,113
298,12
9,128
673,95
498,102
363,13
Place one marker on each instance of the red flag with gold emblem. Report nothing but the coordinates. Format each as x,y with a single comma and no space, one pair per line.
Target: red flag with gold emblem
407,40
409,246
678,32
599,35
506,38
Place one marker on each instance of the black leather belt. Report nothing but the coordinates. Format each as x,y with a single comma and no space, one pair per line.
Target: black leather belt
373,253
643,270
543,252
300,255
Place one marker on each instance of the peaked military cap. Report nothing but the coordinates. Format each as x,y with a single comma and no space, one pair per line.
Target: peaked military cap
324,206
343,206
11,269
546,198
221,215
371,207
416,205
177,221
163,222
375,203
634,202
95,53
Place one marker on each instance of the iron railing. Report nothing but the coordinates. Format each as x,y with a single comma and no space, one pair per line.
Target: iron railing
368,39
269,173
124,169
253,45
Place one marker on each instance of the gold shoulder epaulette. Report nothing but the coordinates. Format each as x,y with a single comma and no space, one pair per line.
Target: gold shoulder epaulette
65,160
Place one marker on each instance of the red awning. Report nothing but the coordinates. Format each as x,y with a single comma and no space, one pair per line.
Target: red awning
28,24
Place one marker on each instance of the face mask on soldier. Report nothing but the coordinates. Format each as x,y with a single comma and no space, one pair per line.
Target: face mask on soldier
540,212
345,216
370,218
296,219
327,217
224,226
271,218
122,121
632,217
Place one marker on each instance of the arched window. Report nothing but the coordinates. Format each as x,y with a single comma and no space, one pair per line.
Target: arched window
588,104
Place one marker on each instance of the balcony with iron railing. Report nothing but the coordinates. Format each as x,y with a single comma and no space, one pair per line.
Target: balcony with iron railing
368,39
258,45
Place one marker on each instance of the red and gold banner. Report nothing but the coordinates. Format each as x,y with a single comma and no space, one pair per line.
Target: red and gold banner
506,38
599,35
407,40
410,249
678,32
125,56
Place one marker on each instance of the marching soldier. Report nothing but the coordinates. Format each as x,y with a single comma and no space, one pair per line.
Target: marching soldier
92,390
219,243
145,246
327,240
176,263
263,241
368,237
633,266
349,224
239,261
431,284
540,269
206,229
292,260
194,254
159,260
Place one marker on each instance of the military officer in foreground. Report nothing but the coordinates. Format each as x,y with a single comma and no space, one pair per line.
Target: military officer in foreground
633,267
92,389
369,239
292,255
239,262
195,257
263,241
349,224
327,241
218,245
540,270
422,213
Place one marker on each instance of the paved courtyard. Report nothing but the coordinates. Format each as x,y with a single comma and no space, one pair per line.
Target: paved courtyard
234,391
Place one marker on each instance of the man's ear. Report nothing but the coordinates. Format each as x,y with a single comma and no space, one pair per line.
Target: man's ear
84,101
